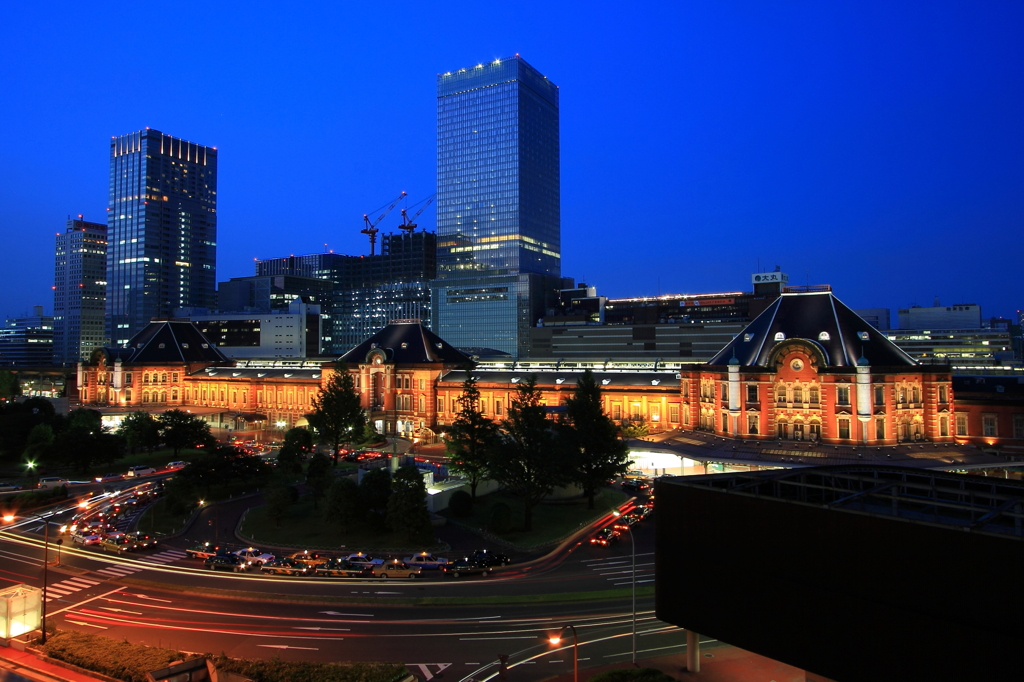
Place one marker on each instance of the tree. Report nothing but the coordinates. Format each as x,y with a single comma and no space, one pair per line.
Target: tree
297,443
376,487
9,384
528,461
634,428
337,414
179,430
40,443
279,500
344,504
407,506
592,438
319,476
140,430
82,441
471,437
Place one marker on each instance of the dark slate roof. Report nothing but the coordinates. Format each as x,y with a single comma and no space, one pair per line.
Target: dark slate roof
823,320
566,378
407,343
167,341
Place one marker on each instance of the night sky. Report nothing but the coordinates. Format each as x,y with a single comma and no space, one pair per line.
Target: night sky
876,147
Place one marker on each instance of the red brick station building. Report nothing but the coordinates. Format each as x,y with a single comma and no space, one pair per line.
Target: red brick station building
807,381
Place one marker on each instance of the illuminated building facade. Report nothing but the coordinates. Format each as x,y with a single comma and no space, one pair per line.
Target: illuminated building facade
498,205
79,291
162,230
27,340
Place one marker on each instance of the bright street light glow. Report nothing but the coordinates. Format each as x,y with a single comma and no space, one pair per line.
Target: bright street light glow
555,640
8,518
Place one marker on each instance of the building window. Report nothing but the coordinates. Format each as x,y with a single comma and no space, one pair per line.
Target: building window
423,404
440,404
751,393
844,428
880,429
174,394
145,397
780,394
915,395
903,395
673,414
961,425
879,395
422,385
497,407
634,412
725,422
988,425
752,424
655,411
815,430
127,395
686,388
943,394
944,426
127,378
163,378
174,377
798,394
813,391
617,412
686,415
725,392
843,397
1018,426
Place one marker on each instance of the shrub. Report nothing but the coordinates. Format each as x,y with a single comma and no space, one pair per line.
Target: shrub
501,518
129,662
461,504
632,675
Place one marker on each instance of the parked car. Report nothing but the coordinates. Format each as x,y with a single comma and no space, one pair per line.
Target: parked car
362,560
339,568
6,486
490,558
253,556
466,566
144,470
225,562
605,537
49,482
395,569
308,558
425,560
285,567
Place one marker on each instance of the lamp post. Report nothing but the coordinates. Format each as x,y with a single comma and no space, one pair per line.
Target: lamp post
575,651
46,561
632,543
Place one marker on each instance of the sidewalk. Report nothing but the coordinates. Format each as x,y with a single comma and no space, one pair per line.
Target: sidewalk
16,666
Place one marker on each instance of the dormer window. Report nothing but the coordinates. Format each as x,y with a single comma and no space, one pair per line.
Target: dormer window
161,346
439,345
605,382
747,338
824,336
185,346
779,336
559,381
863,336
405,344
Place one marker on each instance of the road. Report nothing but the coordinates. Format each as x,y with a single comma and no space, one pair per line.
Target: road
328,619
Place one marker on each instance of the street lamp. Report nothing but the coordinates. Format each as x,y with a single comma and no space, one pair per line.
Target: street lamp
632,543
8,518
575,651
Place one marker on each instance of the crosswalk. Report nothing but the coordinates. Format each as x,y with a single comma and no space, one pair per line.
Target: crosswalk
164,557
619,570
67,587
122,570
118,570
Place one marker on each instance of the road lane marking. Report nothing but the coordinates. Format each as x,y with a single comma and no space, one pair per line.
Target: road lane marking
285,646
98,596
77,622
487,639
142,596
110,608
353,615
425,669
297,627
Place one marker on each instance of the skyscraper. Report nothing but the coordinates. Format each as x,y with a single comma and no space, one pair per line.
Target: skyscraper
162,230
498,216
79,291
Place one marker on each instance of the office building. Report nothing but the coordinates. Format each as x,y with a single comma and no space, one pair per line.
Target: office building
161,229
879,318
27,341
79,291
270,293
498,214
293,332
960,316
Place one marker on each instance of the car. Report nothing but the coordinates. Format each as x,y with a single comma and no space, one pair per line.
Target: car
50,482
490,558
395,569
308,558
635,486
226,562
466,566
339,568
643,510
254,556
109,478
142,540
633,474
86,538
626,520
117,543
142,470
362,560
605,537
285,567
6,486
425,560
203,550
174,466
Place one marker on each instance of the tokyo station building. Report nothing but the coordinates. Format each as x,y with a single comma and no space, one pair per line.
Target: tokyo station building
807,370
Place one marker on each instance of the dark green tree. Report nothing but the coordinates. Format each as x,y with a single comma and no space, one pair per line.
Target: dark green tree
592,438
9,384
279,499
407,507
528,460
82,441
344,504
17,419
376,487
319,476
298,442
140,431
337,415
179,430
471,437
40,442
634,428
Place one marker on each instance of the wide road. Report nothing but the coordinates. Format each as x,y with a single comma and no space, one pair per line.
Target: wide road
165,599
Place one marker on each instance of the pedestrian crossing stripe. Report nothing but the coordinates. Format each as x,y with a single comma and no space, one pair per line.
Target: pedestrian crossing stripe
69,586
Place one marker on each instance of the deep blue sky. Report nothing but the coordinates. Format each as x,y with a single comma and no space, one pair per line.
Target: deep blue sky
877,147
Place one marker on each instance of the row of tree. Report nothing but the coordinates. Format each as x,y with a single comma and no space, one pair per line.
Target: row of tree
529,454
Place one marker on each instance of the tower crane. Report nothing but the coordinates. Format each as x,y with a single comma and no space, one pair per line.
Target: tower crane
407,223
371,227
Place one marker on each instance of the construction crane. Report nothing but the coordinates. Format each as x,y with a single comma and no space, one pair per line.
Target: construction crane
407,224
371,227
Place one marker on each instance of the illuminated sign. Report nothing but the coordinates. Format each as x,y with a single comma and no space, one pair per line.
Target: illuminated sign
770,278
712,301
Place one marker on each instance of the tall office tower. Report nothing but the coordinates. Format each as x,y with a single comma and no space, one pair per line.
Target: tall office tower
161,228
79,291
498,216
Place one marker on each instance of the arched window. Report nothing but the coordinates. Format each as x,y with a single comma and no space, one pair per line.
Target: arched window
163,396
798,394
145,397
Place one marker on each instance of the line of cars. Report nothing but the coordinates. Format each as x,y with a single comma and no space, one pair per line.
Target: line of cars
354,565
96,524
609,535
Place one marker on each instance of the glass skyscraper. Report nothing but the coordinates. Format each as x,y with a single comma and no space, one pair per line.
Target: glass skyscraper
498,215
79,291
161,228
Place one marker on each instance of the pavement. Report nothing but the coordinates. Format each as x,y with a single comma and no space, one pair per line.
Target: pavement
22,666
